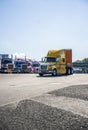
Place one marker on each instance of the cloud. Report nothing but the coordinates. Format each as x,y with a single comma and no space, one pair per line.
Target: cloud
19,55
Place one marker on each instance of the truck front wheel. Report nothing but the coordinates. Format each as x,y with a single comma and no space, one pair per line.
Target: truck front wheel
54,72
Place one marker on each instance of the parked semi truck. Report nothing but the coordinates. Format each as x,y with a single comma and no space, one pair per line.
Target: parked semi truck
57,62
20,66
6,65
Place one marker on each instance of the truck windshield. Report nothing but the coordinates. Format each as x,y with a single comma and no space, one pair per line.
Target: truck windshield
49,59
6,61
19,63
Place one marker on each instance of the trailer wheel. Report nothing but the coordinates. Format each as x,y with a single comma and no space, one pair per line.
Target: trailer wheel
71,70
68,71
54,72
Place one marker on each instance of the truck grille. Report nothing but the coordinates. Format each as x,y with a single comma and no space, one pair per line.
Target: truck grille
44,67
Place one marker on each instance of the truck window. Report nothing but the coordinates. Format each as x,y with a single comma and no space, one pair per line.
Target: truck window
50,59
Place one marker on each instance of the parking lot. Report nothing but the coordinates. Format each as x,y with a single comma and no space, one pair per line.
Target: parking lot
51,103
16,87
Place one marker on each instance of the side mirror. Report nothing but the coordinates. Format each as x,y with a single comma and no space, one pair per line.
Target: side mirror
63,59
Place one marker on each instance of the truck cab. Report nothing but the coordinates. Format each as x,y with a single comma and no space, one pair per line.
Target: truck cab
56,62
7,65
20,66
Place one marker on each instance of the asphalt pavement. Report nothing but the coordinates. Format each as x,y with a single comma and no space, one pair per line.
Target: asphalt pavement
30,102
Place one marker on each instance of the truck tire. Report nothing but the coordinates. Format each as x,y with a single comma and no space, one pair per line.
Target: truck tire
40,74
71,70
68,71
54,72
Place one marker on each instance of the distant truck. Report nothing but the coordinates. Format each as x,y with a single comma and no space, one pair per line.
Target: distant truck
35,66
57,62
21,66
6,65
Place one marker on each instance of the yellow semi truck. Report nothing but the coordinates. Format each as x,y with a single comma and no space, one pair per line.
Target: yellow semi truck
56,62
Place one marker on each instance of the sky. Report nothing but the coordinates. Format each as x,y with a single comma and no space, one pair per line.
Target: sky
32,27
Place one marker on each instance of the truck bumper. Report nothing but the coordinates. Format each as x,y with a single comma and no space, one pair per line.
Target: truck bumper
45,71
